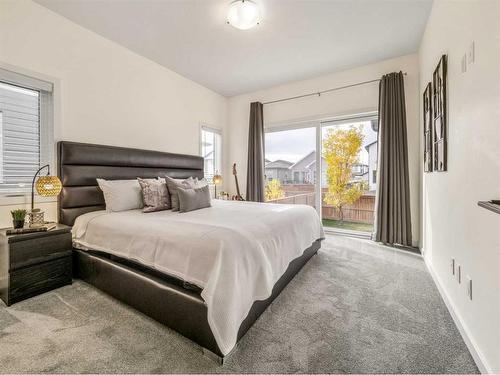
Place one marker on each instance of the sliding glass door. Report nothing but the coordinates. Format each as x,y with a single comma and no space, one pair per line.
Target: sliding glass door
290,166
349,163
329,165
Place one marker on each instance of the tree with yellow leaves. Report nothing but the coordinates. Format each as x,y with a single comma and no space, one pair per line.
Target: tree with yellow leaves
274,190
340,150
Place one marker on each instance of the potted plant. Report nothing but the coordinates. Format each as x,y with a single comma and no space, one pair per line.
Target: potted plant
18,217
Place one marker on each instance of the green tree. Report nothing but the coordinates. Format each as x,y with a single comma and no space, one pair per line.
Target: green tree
274,190
340,150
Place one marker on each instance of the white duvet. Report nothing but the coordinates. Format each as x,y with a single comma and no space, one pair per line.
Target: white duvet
235,251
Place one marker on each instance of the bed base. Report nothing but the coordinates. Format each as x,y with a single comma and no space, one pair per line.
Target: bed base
213,357
180,309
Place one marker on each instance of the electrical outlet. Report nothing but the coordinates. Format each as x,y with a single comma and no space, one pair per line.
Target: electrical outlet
452,264
459,273
469,287
471,53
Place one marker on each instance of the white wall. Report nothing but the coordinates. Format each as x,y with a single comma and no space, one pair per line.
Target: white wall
104,93
454,226
348,101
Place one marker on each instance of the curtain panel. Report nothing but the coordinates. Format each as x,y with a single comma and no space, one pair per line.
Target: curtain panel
255,164
393,219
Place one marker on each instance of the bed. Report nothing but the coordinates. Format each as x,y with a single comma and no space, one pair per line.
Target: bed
208,274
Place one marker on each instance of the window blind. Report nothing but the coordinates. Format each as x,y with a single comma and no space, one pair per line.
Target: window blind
20,137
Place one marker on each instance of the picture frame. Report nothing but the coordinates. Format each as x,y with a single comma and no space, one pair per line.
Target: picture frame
428,128
439,122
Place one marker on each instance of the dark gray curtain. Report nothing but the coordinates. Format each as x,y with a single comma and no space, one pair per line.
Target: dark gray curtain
392,221
255,165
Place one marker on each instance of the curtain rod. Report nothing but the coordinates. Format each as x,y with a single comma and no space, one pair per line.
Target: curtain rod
324,91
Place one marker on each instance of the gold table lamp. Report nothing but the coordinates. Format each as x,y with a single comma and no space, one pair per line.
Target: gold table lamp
217,180
46,186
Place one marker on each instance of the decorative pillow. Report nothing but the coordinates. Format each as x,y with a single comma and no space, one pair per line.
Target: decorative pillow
155,195
173,184
193,199
200,183
121,195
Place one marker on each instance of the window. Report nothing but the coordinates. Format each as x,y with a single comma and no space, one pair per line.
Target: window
290,156
211,150
25,130
374,177
350,155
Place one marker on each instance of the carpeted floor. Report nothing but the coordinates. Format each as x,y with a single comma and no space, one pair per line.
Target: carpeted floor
352,309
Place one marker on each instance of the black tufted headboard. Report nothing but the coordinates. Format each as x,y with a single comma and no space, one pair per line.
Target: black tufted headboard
79,164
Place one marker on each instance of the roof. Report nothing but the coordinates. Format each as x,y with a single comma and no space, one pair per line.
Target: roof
308,166
312,164
305,157
279,164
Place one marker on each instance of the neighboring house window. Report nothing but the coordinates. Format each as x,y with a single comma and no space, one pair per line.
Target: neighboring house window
374,177
26,130
211,150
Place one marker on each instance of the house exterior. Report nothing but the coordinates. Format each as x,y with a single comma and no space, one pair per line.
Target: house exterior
372,150
304,171
299,171
359,173
278,169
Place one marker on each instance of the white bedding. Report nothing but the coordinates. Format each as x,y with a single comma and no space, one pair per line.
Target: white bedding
235,251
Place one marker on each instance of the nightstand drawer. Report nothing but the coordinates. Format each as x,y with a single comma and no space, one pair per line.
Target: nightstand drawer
39,278
25,253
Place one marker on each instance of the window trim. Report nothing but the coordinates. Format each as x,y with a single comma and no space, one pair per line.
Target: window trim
25,81
314,121
210,128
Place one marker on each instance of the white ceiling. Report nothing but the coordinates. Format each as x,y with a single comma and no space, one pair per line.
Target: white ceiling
297,39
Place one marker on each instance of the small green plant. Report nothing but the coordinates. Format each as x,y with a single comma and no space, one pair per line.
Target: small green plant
18,214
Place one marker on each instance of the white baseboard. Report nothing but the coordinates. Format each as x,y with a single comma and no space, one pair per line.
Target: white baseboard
481,362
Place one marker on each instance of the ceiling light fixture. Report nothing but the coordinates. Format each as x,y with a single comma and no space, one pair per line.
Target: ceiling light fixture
243,14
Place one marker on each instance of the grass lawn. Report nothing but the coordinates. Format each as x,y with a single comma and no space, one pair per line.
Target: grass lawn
362,227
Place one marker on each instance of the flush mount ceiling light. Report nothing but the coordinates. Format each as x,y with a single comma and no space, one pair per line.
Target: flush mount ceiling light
243,14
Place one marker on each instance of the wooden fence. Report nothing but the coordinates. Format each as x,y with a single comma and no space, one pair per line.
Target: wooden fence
301,198
361,211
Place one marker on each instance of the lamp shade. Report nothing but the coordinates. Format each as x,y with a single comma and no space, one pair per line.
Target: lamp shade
48,186
217,179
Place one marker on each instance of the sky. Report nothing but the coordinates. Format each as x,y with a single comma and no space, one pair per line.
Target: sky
292,145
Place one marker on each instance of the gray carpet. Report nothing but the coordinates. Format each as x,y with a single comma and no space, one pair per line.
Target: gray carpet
350,310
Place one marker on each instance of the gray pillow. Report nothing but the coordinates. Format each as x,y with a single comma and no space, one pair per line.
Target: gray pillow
193,199
155,195
173,184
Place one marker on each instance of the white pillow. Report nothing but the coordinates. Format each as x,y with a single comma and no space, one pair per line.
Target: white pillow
121,195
